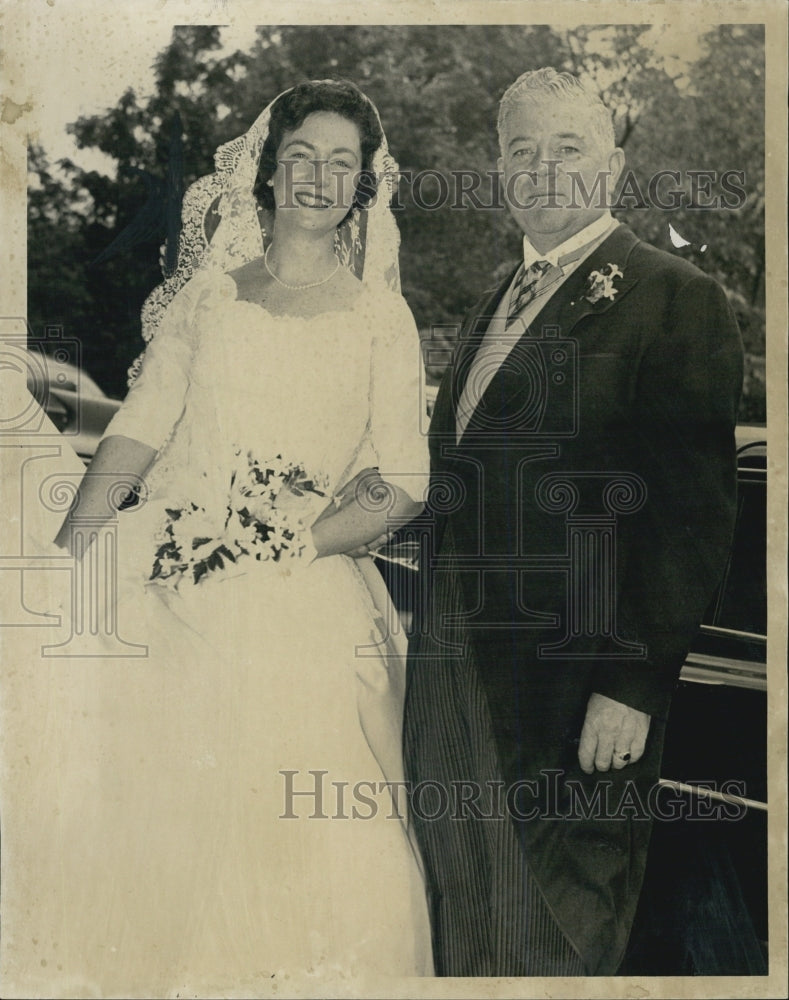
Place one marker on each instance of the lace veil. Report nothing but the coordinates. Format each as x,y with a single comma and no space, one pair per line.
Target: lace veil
223,226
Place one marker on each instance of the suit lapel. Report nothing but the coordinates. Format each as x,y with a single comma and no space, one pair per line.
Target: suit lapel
570,305
473,331
442,425
557,319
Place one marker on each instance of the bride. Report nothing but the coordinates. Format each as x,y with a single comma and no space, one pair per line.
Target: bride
216,818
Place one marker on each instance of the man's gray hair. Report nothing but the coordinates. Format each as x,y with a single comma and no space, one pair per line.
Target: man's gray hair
537,85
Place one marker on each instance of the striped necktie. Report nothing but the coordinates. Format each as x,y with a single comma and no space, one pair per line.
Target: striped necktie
531,281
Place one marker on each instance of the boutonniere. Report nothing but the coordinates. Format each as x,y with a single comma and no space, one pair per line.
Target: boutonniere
600,284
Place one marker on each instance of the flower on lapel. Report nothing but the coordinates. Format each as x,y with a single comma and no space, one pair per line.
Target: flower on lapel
600,284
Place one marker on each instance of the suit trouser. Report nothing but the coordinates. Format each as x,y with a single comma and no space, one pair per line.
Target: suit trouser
488,915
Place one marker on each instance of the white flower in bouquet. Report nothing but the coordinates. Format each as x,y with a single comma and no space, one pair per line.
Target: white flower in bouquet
246,535
270,508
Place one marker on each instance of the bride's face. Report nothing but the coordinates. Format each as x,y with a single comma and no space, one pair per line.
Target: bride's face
318,168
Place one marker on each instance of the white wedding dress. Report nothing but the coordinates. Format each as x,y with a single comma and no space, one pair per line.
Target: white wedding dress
145,851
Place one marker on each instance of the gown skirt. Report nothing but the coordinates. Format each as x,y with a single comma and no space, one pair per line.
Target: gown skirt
212,818
216,817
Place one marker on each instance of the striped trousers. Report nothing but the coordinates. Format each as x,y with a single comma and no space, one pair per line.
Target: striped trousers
488,915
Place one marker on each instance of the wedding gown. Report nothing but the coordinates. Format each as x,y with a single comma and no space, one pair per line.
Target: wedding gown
145,851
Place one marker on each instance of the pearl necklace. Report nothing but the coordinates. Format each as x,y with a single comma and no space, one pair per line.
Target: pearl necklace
297,288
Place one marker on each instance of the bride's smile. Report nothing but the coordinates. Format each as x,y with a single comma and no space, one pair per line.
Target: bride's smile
311,201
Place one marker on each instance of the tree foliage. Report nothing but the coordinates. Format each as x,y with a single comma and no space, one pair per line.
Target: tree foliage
437,89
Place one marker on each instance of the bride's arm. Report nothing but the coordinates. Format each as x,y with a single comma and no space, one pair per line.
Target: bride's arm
147,416
376,503
118,460
369,508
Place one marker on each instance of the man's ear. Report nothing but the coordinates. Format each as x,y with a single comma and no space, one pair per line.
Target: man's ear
616,164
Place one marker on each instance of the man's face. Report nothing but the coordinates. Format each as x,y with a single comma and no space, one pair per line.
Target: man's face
557,177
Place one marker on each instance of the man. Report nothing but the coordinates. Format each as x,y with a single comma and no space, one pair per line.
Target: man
584,495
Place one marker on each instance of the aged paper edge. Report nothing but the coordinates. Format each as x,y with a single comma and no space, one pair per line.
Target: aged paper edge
21,93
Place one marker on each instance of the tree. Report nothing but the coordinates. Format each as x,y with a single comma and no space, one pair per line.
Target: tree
706,121
437,89
70,226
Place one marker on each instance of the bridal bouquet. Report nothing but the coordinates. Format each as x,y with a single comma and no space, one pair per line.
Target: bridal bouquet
261,520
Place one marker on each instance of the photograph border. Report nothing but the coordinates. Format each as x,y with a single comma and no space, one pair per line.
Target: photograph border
22,102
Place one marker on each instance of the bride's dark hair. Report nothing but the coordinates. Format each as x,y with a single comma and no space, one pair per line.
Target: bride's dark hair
338,96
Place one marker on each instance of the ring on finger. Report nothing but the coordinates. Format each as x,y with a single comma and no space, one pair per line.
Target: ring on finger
623,756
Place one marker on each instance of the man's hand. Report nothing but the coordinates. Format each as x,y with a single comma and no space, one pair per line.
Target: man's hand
614,735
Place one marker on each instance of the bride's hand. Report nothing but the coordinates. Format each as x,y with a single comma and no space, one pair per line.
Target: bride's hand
357,489
365,511
370,547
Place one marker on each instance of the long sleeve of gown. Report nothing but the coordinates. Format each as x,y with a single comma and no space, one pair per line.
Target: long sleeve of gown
155,401
398,420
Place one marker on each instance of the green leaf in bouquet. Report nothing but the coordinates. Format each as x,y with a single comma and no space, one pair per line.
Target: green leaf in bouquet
197,542
199,570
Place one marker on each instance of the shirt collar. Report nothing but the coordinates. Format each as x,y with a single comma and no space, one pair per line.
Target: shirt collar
569,249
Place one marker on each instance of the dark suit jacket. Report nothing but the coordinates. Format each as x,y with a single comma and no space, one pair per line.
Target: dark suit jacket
629,404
